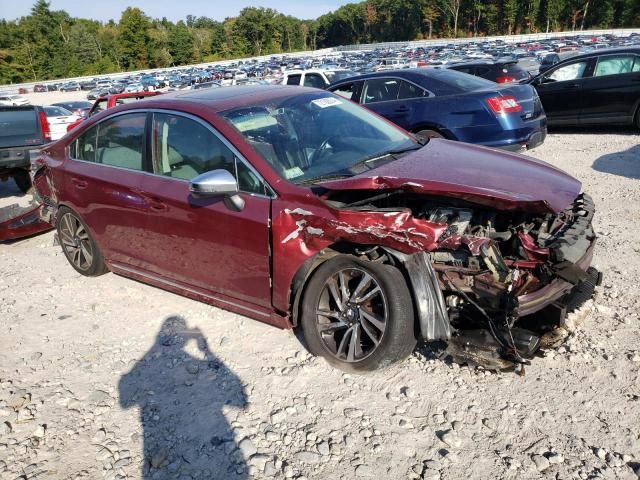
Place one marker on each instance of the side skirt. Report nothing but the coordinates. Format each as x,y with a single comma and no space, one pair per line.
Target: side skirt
222,301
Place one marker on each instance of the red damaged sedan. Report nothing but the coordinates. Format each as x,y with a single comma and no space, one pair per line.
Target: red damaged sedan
300,209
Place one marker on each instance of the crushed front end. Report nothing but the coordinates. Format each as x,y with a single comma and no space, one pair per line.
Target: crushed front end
505,277
518,276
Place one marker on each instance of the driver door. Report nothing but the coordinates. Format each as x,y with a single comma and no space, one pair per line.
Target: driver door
204,242
561,91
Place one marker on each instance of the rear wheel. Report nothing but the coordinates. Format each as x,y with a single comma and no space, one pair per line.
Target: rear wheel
358,315
78,246
23,181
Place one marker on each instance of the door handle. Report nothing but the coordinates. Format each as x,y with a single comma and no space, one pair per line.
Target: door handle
569,87
81,184
157,206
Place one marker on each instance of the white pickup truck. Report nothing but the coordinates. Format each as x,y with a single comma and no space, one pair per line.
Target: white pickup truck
315,78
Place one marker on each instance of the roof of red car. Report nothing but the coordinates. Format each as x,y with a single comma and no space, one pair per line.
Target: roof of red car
220,99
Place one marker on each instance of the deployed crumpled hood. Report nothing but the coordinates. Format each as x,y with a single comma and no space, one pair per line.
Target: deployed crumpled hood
481,175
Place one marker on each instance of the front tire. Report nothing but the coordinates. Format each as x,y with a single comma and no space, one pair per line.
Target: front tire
78,245
358,315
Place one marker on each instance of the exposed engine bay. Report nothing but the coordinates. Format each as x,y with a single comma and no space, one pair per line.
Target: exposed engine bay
494,268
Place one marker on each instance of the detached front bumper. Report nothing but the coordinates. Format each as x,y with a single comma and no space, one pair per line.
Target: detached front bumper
18,222
572,253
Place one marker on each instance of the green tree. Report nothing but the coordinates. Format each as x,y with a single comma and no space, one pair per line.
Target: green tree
510,12
133,39
181,44
257,26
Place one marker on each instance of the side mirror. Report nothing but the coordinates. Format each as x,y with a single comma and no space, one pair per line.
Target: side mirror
215,182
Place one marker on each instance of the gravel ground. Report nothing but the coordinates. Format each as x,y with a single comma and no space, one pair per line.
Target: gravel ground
109,378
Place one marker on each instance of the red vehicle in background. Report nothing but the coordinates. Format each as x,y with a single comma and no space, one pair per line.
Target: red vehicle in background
110,101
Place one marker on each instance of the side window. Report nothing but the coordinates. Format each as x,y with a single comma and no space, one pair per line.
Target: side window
293,79
121,141
313,80
183,148
573,71
409,90
482,71
85,146
380,90
346,91
468,70
614,65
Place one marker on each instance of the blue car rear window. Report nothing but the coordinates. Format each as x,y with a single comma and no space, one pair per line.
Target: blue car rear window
450,82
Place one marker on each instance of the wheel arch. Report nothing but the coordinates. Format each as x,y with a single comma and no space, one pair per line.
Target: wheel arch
436,128
432,320
56,216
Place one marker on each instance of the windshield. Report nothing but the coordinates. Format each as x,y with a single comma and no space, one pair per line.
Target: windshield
314,136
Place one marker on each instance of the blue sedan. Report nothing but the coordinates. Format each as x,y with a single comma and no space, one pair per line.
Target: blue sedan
434,102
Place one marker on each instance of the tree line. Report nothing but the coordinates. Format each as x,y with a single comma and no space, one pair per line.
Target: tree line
49,44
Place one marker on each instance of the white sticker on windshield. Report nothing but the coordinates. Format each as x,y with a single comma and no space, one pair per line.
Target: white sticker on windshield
294,172
326,102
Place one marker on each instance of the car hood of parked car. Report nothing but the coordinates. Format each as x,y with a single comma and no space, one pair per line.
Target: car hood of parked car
484,176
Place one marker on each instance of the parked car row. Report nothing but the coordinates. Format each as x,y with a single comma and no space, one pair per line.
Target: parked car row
535,57
447,104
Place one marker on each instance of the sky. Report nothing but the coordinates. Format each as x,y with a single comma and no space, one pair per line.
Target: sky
172,9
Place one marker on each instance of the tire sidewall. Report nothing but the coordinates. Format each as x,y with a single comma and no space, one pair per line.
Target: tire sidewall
398,340
98,266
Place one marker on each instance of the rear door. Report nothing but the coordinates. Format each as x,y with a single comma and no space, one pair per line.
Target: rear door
613,92
561,90
102,180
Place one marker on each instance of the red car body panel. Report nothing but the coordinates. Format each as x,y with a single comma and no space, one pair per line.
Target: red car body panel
152,229
481,174
23,224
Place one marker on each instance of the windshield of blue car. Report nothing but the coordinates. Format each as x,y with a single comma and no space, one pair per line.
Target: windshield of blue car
314,136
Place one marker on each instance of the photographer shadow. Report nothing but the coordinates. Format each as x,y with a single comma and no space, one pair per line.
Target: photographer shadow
180,397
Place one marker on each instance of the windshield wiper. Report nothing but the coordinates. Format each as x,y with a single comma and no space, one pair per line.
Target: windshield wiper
333,176
389,153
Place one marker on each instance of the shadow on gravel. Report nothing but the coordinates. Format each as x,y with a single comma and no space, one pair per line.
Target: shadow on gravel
624,164
181,397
